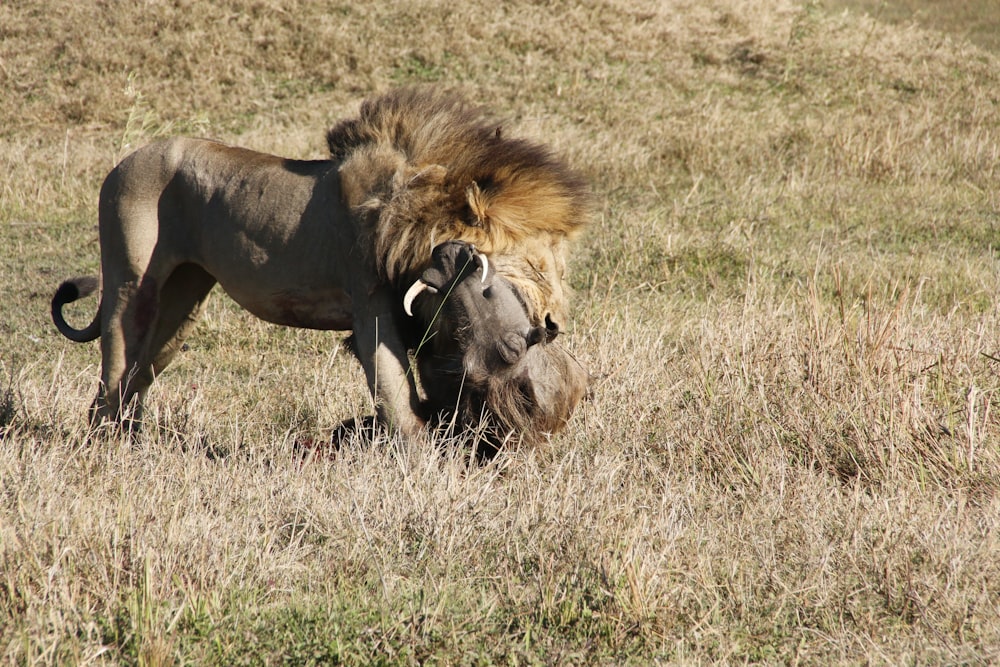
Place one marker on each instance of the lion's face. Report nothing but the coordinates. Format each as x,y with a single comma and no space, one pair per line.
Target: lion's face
482,358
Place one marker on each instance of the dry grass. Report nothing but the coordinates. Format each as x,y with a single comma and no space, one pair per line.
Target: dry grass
975,20
788,297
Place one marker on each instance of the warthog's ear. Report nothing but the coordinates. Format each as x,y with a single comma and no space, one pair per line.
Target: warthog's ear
537,335
551,328
547,333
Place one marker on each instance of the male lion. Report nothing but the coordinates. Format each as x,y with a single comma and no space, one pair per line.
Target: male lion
334,244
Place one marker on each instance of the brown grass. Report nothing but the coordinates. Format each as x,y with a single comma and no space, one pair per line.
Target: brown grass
975,20
788,297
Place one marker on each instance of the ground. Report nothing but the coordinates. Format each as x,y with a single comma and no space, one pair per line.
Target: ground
787,299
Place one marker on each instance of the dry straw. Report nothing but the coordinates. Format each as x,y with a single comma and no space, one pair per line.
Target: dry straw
787,297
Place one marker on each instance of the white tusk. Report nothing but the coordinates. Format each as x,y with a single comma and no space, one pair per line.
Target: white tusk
411,294
486,266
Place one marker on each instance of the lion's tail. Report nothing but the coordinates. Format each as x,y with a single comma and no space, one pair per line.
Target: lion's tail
68,292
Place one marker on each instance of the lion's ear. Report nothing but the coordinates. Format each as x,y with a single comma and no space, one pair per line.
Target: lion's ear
424,175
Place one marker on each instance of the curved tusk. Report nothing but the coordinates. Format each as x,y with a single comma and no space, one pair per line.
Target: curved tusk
486,266
411,294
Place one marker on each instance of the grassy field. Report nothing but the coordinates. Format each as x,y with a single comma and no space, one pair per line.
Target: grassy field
787,297
975,20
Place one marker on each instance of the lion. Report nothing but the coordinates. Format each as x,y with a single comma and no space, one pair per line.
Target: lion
335,244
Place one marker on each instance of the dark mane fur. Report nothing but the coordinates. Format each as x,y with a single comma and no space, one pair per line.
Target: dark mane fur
454,175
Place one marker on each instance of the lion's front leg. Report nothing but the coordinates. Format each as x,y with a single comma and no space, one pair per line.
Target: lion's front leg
383,355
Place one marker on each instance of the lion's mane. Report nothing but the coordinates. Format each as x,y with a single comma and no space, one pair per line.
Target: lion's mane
434,167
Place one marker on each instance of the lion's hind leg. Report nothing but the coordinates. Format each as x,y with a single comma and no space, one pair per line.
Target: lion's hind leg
181,300
145,327
128,314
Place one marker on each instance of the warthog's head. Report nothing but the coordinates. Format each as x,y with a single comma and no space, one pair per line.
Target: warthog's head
482,362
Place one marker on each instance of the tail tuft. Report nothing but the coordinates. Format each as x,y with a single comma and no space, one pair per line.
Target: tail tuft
68,292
